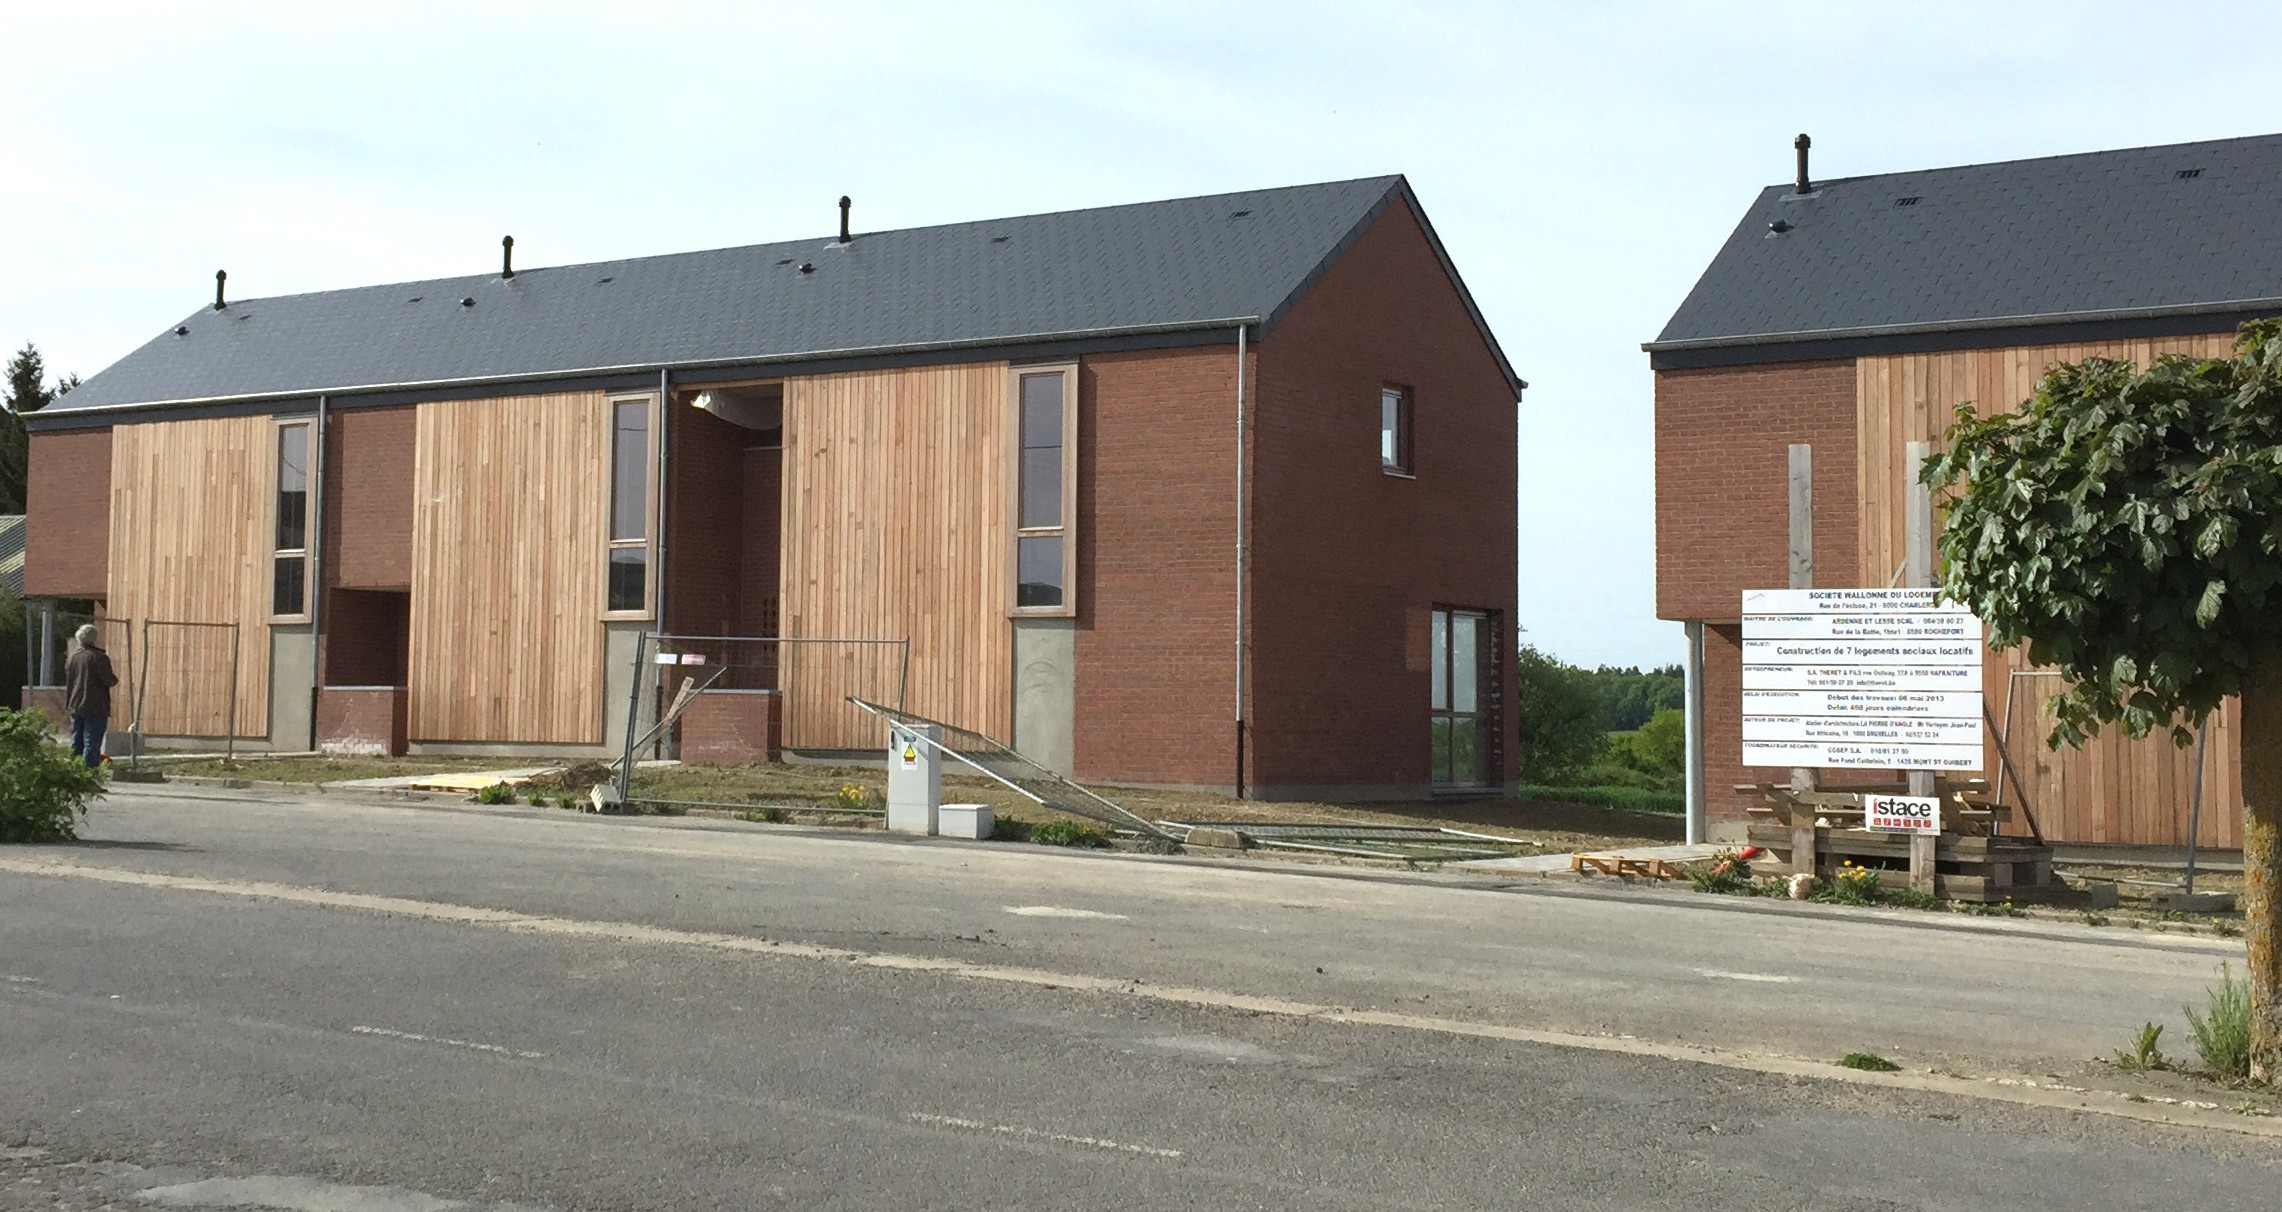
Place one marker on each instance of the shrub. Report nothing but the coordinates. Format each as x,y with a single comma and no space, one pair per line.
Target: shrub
1661,745
44,790
2222,1032
1562,715
1067,833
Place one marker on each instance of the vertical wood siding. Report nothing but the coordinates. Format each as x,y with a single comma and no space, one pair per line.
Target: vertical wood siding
2112,790
896,486
507,563
193,522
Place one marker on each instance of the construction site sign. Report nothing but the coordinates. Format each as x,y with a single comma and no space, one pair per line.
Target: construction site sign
1884,679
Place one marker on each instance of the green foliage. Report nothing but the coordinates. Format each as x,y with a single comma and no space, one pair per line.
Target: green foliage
1633,696
566,801
1727,872
2144,1052
1562,716
1066,833
2127,525
2222,1031
1617,774
497,793
28,392
1868,1062
1994,909
44,790
1911,898
1661,744
538,799
855,797
1849,885
1624,799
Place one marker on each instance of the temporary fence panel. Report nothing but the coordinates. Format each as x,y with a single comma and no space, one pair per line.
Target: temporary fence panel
189,678
1034,781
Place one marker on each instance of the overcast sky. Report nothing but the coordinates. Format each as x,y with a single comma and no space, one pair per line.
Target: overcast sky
1582,161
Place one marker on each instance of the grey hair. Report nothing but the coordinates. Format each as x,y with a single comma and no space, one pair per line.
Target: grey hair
85,635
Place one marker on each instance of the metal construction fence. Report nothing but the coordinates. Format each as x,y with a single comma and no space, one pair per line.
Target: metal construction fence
176,678
1016,772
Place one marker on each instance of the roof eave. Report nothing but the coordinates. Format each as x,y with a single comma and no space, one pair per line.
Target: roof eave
1799,336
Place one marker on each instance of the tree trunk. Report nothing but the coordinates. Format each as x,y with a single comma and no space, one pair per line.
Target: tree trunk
2262,858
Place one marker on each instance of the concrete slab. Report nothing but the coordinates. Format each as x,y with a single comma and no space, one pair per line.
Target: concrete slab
1540,864
470,781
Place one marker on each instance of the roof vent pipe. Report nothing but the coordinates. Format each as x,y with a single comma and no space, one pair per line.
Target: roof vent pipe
1806,186
220,276
506,256
844,204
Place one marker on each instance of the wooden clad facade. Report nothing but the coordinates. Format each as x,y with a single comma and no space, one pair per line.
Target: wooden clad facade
508,516
896,491
193,520
2112,790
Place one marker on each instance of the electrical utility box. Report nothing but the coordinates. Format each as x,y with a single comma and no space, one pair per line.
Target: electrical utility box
914,778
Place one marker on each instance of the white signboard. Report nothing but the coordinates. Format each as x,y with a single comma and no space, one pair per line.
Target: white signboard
1901,813
1885,679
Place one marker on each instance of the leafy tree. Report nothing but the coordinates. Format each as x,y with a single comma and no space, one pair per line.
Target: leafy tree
28,392
1634,695
1661,744
2126,525
1562,716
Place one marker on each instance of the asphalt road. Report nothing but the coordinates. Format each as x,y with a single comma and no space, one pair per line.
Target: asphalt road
219,1003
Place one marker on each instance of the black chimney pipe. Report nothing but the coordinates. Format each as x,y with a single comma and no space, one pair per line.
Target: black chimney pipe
844,204
506,256
1803,143
220,276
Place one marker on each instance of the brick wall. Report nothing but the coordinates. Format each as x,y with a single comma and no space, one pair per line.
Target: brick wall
1348,561
1155,642
365,638
363,721
368,498
705,521
67,523
730,728
1723,439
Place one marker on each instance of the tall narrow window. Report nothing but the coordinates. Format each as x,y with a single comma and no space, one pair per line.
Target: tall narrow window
1045,498
1394,430
1464,694
629,554
289,563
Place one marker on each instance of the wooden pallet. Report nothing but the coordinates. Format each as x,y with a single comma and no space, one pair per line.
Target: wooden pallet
1977,869
1617,864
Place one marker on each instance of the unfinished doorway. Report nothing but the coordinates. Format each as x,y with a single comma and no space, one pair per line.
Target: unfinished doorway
1461,706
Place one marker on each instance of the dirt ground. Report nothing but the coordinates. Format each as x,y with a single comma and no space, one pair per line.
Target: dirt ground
1554,826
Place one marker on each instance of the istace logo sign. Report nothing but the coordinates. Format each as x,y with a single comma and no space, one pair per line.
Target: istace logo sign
1901,813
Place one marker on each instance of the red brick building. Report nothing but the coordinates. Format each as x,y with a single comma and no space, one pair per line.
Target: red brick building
1208,492
1854,315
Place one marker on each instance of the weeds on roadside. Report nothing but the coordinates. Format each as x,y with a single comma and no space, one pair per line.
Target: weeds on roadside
855,797
538,799
2093,917
2144,1053
1911,898
2224,928
771,815
1849,885
1067,833
1869,1062
566,801
497,793
2222,1031
2003,908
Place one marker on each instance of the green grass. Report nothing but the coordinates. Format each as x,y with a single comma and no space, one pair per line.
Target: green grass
1628,799
332,769
1869,1062
2222,1031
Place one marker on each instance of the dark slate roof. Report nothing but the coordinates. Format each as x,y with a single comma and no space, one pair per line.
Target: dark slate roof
1190,263
2103,235
12,553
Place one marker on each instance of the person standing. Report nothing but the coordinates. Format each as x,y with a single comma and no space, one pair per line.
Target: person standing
87,683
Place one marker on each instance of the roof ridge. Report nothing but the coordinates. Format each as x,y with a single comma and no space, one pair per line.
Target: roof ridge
2025,160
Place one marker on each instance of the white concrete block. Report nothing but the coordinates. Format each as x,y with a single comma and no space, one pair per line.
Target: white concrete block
970,821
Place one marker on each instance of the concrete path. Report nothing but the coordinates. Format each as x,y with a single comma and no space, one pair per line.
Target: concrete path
450,780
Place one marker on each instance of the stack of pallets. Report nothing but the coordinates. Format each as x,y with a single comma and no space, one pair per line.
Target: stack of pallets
1817,832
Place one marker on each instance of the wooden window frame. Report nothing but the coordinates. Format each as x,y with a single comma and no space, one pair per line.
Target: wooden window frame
1068,529
1488,715
648,543
311,502
1405,464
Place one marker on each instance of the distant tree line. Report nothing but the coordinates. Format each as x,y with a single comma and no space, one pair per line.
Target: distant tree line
29,391
1617,726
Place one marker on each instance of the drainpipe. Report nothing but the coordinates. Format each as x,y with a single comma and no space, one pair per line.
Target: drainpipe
316,576
1240,456
658,540
1692,702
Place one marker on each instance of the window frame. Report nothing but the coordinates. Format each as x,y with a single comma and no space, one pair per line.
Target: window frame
1404,465
647,543
1488,715
1067,530
309,505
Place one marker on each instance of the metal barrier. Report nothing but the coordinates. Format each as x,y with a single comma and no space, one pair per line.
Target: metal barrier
1027,778
197,668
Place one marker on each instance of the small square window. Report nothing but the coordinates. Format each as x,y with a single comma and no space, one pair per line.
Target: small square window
1394,430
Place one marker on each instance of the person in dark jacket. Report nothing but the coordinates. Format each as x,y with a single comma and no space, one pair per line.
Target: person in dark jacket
87,683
